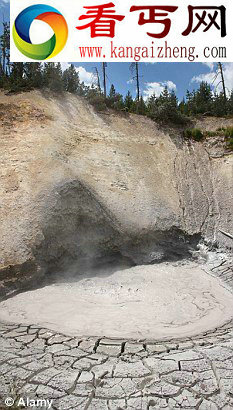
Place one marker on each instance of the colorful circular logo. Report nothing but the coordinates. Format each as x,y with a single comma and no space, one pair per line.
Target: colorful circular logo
21,32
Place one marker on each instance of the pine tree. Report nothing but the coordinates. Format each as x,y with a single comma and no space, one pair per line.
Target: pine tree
200,101
165,108
71,79
219,105
52,77
17,80
119,102
152,107
83,89
57,84
183,107
48,74
230,104
33,74
128,101
111,99
114,99
190,102
203,99
140,106
112,92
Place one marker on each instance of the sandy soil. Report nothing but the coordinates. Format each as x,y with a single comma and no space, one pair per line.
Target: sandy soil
155,301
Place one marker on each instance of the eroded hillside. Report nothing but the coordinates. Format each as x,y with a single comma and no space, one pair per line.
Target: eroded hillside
80,187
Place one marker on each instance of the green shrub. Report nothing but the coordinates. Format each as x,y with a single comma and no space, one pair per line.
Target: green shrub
188,133
98,102
230,144
193,133
211,133
228,132
165,108
229,137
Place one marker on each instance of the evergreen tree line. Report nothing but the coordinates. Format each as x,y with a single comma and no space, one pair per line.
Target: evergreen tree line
17,77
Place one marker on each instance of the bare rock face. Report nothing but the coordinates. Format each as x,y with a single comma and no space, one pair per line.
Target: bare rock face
80,187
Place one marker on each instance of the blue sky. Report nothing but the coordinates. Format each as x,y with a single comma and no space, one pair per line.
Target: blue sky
153,77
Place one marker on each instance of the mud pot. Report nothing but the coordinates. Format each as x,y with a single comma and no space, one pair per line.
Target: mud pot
151,301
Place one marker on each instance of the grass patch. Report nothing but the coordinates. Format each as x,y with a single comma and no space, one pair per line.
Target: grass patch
230,144
228,132
193,133
213,133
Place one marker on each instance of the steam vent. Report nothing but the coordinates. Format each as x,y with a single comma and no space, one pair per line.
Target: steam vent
116,268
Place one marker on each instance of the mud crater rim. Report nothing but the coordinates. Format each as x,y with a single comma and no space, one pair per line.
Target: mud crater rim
145,302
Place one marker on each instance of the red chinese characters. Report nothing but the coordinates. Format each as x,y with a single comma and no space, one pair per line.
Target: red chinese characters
103,20
154,12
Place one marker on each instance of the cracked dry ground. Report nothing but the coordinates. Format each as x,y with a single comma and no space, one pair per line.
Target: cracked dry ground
111,374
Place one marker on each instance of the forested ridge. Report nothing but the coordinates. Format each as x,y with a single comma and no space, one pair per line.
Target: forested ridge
19,77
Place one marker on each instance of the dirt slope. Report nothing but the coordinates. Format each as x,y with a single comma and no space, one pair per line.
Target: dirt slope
78,186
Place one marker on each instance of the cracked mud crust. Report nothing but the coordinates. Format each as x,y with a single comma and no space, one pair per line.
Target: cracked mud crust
116,374
89,373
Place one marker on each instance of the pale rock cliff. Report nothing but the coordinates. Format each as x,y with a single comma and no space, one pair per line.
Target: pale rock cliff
81,187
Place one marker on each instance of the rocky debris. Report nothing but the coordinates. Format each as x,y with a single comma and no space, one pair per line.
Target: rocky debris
11,113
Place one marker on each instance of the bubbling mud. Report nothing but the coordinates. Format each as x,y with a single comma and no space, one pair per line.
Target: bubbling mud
143,302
